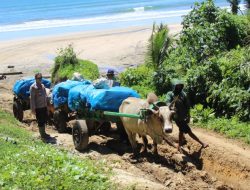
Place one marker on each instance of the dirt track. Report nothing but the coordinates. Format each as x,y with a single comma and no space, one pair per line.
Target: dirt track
224,165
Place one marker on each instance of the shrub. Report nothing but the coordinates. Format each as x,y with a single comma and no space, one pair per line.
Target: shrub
199,80
66,63
141,76
88,69
139,79
162,79
208,30
231,96
201,115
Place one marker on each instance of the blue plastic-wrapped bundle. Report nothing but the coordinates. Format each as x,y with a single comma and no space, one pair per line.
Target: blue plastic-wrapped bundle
61,91
106,99
74,99
22,87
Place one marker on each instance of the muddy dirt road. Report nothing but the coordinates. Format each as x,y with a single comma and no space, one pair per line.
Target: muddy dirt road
224,165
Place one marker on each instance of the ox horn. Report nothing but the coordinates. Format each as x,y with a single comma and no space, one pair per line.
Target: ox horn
152,111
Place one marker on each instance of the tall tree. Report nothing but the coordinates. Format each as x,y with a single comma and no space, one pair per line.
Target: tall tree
234,5
247,4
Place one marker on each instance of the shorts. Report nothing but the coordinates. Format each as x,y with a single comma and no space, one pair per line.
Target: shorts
183,126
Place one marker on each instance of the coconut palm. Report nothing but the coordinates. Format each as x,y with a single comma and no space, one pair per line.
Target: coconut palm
234,5
159,43
247,4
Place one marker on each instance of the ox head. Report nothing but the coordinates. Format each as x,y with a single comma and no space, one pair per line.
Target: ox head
163,114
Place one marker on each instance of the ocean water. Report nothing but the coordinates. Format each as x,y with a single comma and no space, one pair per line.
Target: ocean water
28,18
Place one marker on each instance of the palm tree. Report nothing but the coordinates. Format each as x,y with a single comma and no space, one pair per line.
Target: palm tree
247,4
159,43
234,5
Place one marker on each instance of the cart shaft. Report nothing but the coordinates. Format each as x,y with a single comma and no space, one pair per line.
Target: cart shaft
122,114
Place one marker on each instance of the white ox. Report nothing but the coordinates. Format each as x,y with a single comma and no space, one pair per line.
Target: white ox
156,125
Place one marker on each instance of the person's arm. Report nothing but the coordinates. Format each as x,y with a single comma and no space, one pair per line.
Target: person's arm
32,100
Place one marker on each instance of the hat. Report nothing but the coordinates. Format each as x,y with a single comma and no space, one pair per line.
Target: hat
110,72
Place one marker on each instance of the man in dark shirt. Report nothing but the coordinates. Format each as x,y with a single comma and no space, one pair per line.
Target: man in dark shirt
180,102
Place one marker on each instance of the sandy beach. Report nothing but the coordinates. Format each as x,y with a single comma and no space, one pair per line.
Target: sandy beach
117,48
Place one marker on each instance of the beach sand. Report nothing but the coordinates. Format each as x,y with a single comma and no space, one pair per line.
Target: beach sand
117,48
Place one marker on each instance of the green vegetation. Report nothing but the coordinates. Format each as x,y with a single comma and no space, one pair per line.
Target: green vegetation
211,54
232,127
27,163
138,78
66,63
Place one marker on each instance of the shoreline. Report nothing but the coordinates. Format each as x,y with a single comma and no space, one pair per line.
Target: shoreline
116,48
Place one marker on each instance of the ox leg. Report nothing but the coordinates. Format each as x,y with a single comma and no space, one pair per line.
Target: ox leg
145,144
155,151
132,140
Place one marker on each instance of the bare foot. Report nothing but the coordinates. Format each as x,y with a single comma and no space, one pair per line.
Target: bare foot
205,145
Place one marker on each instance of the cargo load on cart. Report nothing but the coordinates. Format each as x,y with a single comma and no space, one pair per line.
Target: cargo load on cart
98,99
61,90
21,100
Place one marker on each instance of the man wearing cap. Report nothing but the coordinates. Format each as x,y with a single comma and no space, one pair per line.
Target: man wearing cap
111,78
38,104
179,99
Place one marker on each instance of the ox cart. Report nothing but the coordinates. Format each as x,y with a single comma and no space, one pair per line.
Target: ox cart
20,104
21,99
88,122
91,110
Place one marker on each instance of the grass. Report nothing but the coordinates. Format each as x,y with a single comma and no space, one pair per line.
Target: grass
27,163
232,128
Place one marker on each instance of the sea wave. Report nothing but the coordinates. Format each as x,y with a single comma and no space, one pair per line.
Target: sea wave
138,14
141,9
133,16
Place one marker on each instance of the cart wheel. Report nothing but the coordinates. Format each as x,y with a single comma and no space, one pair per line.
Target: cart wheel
60,120
18,110
80,135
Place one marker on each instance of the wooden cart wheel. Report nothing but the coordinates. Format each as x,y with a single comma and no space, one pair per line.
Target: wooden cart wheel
18,110
60,120
80,135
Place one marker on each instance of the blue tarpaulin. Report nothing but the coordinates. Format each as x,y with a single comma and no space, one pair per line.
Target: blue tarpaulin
74,99
22,87
99,99
61,91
